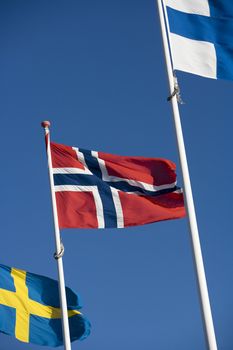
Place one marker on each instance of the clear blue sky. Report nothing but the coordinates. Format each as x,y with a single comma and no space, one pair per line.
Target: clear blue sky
96,70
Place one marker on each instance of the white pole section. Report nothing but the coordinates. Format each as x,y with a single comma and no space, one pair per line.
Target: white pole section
200,272
59,248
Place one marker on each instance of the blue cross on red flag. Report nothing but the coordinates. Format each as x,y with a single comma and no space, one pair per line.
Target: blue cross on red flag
100,190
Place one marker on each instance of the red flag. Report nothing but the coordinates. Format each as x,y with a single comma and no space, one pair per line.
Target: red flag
100,190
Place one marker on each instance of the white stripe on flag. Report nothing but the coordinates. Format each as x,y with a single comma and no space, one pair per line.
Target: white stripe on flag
81,157
71,171
118,207
198,7
96,196
193,56
102,165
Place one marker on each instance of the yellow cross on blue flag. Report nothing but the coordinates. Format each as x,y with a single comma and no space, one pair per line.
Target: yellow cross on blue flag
30,309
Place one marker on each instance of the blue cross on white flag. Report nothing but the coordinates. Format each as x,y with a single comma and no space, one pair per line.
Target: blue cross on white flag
201,33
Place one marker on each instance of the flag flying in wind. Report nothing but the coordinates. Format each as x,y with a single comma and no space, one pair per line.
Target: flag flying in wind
30,311
201,34
100,190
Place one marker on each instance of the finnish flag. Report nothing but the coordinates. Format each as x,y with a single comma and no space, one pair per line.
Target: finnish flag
201,36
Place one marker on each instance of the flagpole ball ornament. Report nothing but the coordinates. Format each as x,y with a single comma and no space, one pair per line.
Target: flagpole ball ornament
45,124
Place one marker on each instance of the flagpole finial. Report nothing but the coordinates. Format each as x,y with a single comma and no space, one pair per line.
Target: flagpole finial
45,124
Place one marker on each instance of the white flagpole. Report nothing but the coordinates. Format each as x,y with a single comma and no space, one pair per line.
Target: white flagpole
200,272
59,246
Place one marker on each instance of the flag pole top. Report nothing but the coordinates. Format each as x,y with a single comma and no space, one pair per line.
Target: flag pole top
45,124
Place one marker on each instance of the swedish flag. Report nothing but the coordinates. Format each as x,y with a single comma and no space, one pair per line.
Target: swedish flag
29,308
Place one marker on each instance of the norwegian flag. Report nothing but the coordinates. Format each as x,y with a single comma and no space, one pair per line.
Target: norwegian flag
101,190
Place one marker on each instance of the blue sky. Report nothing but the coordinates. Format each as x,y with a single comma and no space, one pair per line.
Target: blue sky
96,70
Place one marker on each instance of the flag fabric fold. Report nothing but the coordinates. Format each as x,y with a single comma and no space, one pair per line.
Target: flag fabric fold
201,37
100,190
30,309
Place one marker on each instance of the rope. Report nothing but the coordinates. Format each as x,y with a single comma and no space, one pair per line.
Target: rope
61,253
176,91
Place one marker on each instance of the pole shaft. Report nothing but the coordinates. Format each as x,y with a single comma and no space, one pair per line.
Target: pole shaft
65,321
198,260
